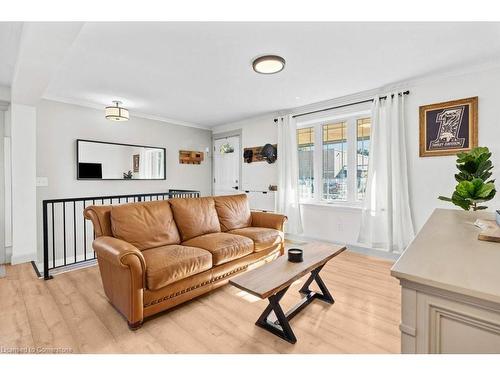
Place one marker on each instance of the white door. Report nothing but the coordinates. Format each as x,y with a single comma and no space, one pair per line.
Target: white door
227,166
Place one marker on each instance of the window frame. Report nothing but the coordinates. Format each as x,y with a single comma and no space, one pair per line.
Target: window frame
352,193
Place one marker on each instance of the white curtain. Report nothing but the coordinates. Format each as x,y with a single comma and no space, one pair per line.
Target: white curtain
386,218
287,197
150,163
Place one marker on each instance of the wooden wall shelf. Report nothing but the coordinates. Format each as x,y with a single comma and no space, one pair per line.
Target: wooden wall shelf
190,157
257,156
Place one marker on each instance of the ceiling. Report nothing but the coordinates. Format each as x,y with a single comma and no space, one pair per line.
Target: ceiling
10,34
201,73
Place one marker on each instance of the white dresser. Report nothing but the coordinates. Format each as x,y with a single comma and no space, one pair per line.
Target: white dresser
450,287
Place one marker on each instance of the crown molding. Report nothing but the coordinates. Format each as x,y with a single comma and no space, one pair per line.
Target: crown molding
401,85
341,100
86,104
456,71
245,120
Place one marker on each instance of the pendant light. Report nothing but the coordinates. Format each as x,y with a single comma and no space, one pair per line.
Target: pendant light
116,113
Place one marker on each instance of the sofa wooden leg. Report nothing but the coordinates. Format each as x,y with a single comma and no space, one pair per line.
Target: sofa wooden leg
135,326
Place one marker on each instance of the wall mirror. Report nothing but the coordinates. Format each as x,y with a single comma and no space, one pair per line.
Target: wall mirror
116,161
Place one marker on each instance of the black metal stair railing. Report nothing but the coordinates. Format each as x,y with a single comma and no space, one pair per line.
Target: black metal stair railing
67,238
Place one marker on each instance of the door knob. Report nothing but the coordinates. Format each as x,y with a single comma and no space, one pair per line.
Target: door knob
235,187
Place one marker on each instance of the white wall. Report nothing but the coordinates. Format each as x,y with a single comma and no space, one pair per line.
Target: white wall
23,151
58,127
429,177
433,176
256,132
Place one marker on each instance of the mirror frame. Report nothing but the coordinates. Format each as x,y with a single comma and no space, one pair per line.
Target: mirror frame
119,179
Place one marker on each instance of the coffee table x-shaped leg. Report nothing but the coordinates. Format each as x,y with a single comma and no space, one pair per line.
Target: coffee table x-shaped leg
281,325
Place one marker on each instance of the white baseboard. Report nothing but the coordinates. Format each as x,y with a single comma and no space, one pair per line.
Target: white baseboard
378,253
22,258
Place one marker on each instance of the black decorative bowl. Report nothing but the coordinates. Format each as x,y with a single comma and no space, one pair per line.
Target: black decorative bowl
295,255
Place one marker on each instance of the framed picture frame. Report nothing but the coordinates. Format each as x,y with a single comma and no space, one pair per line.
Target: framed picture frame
136,162
449,127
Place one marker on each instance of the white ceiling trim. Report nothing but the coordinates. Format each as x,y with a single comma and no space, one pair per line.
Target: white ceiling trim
86,104
346,99
396,86
444,74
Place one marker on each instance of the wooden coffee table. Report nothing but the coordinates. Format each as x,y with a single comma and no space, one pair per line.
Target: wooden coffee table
273,279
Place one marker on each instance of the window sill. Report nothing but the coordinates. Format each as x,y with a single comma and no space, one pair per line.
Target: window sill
336,205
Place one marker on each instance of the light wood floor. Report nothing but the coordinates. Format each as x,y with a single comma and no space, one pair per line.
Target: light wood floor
71,311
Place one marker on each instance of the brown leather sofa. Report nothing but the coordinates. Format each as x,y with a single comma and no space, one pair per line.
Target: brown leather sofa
155,255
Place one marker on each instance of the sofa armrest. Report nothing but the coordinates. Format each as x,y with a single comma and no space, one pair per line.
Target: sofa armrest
123,273
120,253
268,220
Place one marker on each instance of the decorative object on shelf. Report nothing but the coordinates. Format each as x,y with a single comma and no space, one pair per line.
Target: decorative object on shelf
449,127
248,155
295,255
226,148
268,153
473,186
137,159
116,113
269,64
273,187
190,157
127,175
490,230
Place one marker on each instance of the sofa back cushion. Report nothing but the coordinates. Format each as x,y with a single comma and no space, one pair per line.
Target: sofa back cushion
145,225
233,212
195,216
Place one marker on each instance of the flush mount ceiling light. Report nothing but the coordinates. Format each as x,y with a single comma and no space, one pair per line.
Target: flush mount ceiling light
116,113
269,64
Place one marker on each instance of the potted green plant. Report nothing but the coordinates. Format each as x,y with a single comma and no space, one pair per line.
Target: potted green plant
473,186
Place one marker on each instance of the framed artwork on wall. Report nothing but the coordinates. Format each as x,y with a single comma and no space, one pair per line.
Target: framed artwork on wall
449,127
136,163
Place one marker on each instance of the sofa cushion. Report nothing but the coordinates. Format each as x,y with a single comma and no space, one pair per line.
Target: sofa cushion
223,246
263,238
195,216
145,225
233,212
168,264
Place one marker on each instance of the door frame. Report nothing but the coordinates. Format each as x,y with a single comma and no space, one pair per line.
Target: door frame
4,106
231,133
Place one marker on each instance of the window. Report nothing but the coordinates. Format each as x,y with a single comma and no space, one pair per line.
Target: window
363,130
340,159
305,140
335,161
